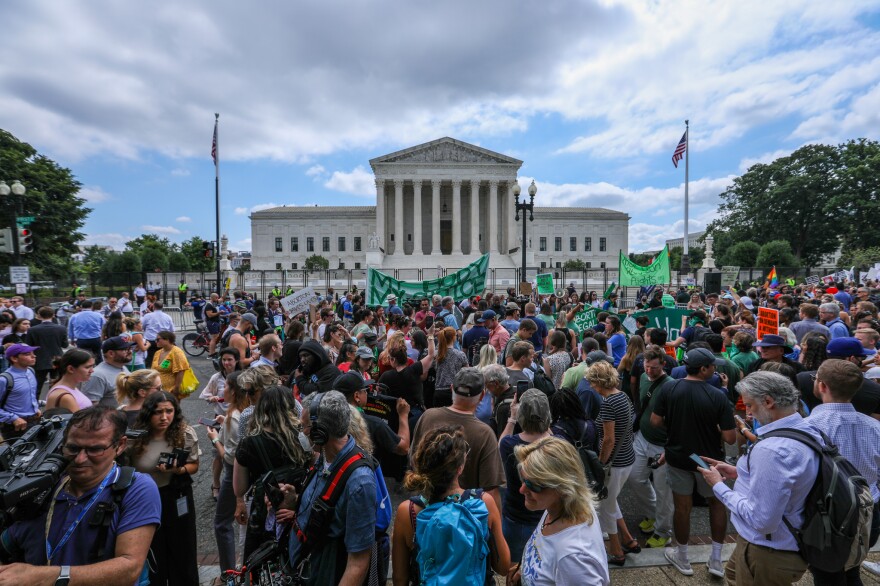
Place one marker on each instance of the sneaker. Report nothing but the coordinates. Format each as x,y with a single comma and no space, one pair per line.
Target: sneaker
646,526
657,541
671,554
715,567
871,568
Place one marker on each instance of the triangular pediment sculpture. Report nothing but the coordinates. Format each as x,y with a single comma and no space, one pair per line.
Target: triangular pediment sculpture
446,150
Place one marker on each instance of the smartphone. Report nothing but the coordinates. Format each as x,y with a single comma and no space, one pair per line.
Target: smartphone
209,422
699,461
521,387
741,421
271,488
429,321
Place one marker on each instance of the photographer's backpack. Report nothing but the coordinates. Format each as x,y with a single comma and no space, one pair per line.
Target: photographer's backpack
10,386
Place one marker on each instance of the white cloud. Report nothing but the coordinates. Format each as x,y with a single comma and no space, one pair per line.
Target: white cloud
94,194
183,219
244,244
316,171
148,228
263,206
766,158
241,211
358,182
180,172
114,239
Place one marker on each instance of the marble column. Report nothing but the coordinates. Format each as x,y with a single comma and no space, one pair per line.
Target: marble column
511,217
475,216
493,217
399,237
380,213
456,216
435,217
417,217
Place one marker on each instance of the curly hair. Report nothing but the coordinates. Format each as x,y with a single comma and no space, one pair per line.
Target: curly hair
814,350
435,462
601,374
174,435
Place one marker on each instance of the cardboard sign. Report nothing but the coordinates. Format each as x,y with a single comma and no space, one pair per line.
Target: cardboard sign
545,284
813,280
768,322
729,275
525,288
298,302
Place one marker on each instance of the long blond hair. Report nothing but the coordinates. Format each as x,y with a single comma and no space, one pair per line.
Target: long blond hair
128,384
554,463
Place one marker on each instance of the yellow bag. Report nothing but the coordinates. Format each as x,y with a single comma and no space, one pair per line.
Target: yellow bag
189,384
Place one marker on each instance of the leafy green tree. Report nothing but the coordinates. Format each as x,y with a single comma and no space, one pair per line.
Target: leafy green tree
95,257
695,257
856,200
316,262
147,241
125,262
784,200
574,264
178,262
640,258
154,258
776,253
51,197
742,254
193,249
861,258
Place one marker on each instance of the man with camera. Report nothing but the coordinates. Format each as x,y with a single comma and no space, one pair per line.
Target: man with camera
97,525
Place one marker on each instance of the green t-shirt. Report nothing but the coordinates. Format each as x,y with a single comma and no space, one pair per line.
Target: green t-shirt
654,435
573,375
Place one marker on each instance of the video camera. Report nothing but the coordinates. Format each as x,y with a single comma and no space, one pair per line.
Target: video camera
31,466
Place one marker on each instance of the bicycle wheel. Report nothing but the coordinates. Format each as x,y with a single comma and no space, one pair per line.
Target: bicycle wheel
194,344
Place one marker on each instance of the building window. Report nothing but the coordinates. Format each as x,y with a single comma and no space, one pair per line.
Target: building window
602,244
589,265
557,244
293,265
357,243
277,266
602,265
341,265
543,244
409,237
278,244
294,244
543,265
588,244
342,244
558,265
310,244
392,237
325,244
573,244
357,265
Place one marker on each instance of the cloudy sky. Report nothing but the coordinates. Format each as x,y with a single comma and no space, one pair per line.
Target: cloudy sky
591,94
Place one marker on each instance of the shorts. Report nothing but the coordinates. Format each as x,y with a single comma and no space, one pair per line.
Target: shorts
213,327
682,482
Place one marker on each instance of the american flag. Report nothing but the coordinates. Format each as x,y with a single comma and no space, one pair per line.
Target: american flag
214,145
676,156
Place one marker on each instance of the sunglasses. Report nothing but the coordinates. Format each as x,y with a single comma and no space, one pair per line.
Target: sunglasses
531,485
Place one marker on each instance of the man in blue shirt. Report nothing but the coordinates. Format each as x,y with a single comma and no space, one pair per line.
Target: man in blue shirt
393,308
93,438
829,313
19,409
84,330
352,523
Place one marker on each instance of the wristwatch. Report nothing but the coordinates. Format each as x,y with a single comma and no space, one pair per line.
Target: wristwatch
64,577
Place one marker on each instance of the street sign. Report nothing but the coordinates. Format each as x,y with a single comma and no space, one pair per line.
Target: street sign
19,275
21,288
24,220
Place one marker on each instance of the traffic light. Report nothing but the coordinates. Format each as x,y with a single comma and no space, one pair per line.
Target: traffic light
25,241
207,249
6,240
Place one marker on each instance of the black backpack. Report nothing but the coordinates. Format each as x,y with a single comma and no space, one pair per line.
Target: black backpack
586,449
838,509
542,382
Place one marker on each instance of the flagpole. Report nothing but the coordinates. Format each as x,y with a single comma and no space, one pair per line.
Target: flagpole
217,199
685,259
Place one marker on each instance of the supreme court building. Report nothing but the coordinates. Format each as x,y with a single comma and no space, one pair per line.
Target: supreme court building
442,203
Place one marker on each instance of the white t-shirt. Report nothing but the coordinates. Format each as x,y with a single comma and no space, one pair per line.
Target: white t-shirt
574,556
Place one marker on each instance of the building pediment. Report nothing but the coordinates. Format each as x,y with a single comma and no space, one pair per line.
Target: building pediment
446,151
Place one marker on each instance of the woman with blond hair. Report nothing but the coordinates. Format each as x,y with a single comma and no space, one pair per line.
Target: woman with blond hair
132,388
614,426
447,363
566,547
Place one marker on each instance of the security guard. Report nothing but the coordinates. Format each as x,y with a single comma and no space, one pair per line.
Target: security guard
276,292
181,292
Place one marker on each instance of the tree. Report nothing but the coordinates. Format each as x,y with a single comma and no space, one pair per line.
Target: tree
640,258
776,253
856,200
124,262
147,241
95,257
52,199
861,258
574,264
784,200
178,262
316,262
154,258
742,254
695,257
194,251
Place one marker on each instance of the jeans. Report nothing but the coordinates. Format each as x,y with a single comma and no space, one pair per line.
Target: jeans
517,535
609,511
653,500
851,577
92,345
224,519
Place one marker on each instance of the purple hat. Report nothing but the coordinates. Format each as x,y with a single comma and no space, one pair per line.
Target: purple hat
17,349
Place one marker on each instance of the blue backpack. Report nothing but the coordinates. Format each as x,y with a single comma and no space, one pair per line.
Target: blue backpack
451,541
383,502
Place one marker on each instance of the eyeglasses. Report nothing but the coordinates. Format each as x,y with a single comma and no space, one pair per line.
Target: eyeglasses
73,450
530,485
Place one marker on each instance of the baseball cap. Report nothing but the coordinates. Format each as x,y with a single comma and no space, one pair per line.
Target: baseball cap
370,338
846,347
364,352
468,382
116,343
702,357
534,406
249,317
480,319
597,355
17,349
349,383
512,305
770,340
489,314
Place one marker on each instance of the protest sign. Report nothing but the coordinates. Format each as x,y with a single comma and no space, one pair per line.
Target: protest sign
585,319
872,273
609,290
665,318
729,275
545,284
813,280
828,279
690,282
630,324
656,273
299,301
768,322
459,285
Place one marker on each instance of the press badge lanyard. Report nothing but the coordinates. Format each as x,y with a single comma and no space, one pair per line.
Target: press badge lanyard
49,550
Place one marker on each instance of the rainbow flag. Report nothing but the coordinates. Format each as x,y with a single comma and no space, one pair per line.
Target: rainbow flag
772,279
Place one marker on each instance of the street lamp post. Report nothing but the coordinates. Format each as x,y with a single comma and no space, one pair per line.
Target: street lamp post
524,207
18,190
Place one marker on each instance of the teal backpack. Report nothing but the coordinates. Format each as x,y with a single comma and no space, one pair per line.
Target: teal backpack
452,542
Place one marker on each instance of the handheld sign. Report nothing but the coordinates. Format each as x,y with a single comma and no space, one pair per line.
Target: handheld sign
545,284
768,322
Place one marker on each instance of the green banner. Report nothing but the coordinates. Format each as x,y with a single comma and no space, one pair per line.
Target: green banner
585,319
545,284
459,285
666,318
656,273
